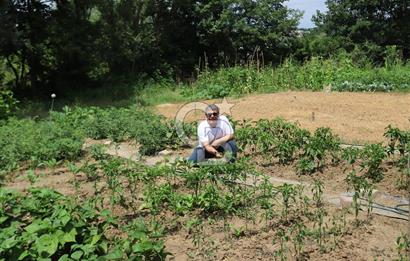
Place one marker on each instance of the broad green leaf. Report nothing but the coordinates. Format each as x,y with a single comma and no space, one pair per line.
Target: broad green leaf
103,246
116,254
64,217
47,243
142,247
64,258
38,225
77,255
24,255
95,239
144,206
69,237
8,243
2,219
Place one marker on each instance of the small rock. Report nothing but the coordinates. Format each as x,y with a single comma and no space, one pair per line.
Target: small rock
164,153
108,142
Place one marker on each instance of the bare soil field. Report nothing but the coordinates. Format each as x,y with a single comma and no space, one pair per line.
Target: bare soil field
355,117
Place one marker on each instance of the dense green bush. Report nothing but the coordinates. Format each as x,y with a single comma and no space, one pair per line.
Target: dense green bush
287,142
372,157
62,135
45,225
150,130
321,145
227,81
22,140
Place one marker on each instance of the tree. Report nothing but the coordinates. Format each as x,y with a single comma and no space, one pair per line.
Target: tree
24,40
53,45
233,30
381,23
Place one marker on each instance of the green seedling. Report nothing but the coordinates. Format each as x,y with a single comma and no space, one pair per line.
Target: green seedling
361,189
282,252
317,192
403,247
288,194
32,177
299,233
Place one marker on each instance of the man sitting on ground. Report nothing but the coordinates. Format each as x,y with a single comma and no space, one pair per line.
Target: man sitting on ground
215,135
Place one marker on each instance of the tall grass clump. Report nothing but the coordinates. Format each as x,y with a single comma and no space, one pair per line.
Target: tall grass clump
228,81
340,73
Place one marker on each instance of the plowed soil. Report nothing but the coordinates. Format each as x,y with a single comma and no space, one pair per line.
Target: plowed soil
355,117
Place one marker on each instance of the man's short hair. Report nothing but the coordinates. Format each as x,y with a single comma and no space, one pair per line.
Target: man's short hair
212,107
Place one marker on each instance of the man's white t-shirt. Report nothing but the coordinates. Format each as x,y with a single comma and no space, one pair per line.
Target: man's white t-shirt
208,134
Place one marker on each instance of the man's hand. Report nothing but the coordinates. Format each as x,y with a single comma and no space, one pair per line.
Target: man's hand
211,149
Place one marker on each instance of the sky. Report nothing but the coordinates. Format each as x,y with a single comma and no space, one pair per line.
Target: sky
309,7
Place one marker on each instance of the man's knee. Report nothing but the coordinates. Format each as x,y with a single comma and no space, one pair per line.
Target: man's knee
233,146
231,149
198,155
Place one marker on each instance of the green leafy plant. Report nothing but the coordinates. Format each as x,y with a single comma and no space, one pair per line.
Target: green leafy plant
141,242
339,227
403,247
282,252
31,176
319,233
288,195
195,227
56,228
322,144
361,189
317,192
97,152
351,154
299,233
265,200
8,104
372,157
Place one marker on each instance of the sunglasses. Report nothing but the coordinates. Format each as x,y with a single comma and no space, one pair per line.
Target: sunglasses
214,114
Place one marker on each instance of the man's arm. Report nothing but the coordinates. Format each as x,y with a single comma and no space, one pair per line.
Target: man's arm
220,141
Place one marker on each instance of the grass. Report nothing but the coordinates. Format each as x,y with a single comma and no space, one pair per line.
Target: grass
120,95
161,94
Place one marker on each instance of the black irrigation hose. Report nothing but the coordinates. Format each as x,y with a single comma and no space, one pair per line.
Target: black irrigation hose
401,205
395,209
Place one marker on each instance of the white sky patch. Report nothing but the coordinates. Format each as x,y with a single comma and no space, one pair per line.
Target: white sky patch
309,7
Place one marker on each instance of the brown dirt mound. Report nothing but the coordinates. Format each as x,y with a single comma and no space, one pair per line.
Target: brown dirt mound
355,117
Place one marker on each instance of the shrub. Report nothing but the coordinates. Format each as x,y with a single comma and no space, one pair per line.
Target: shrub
22,140
8,104
316,150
